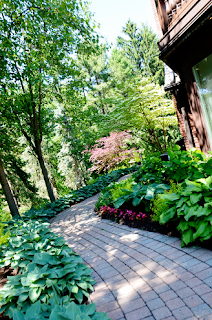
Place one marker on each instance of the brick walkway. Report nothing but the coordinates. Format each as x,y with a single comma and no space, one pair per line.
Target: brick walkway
139,274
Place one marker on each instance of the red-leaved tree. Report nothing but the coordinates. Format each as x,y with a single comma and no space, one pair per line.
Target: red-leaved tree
110,152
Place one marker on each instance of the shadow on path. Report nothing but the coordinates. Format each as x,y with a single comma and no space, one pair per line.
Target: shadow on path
139,274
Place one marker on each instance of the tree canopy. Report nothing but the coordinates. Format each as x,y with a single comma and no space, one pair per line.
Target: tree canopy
61,91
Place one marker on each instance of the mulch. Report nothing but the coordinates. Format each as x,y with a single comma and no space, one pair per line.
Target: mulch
4,273
147,224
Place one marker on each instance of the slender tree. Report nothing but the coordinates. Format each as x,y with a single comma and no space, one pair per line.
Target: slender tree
7,191
37,40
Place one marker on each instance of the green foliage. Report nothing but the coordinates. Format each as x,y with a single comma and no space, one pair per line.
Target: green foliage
49,269
129,192
64,311
50,210
141,193
140,46
160,205
191,164
191,209
112,192
4,216
140,106
151,167
4,235
187,201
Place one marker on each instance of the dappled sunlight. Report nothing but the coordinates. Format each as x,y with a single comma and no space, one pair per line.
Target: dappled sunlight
162,274
130,237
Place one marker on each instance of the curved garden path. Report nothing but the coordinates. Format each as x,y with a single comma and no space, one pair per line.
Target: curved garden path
139,274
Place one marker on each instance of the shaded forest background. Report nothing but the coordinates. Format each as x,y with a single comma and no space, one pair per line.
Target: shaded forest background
62,88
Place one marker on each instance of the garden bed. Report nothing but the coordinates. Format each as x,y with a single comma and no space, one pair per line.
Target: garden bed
148,224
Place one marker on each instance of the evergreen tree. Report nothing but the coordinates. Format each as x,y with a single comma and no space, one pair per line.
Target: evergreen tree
140,46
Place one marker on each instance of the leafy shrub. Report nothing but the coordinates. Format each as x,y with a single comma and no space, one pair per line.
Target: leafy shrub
110,152
152,167
160,205
49,269
112,192
191,209
3,235
129,192
5,216
141,193
192,164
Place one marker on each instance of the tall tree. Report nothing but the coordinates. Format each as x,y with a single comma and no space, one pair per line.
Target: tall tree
7,191
144,111
140,46
37,42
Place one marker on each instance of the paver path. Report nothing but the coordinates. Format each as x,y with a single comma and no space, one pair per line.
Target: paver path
139,274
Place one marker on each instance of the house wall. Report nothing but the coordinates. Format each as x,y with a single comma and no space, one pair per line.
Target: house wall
181,50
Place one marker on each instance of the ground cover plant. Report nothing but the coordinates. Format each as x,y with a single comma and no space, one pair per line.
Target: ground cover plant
191,210
174,195
50,274
51,209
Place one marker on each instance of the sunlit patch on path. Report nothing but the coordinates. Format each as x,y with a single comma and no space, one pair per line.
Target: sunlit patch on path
139,274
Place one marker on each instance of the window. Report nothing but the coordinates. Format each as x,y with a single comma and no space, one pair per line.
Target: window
203,76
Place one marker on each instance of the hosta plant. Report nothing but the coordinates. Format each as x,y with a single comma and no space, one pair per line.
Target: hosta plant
50,210
49,269
66,311
141,193
191,210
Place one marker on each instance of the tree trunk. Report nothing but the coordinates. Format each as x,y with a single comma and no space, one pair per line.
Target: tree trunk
77,171
69,134
44,172
8,192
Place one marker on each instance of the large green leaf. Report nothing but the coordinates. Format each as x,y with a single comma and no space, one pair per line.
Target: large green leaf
73,309
18,315
181,201
170,197
194,198
44,258
150,193
183,225
192,211
137,200
79,296
168,215
34,294
207,182
203,229
34,310
118,203
187,236
89,309
23,297
192,186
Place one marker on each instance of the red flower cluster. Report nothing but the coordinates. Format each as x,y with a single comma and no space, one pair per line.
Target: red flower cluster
122,214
